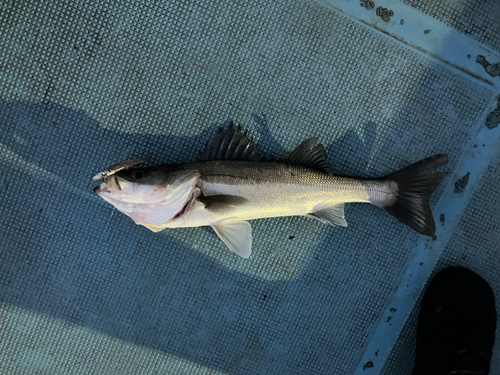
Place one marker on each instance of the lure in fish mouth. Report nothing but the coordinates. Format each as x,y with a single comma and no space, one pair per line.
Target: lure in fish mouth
127,164
234,185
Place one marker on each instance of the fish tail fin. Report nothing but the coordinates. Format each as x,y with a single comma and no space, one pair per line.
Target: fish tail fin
413,189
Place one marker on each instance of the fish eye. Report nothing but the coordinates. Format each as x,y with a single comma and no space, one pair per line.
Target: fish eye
137,175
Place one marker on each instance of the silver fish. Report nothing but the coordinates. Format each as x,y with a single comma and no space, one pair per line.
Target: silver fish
234,184
127,164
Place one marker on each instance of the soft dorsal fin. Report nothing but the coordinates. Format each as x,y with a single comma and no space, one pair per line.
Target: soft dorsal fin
309,156
232,144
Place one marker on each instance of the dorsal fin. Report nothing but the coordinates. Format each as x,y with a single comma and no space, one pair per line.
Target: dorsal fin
309,156
232,144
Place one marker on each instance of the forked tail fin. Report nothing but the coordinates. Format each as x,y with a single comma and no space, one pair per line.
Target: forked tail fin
414,189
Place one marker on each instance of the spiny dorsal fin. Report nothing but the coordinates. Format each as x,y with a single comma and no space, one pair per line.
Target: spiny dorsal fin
232,144
309,156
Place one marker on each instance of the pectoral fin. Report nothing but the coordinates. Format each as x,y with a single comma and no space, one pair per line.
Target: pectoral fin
219,202
332,215
237,235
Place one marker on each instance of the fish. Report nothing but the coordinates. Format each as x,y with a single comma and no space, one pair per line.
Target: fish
127,164
234,183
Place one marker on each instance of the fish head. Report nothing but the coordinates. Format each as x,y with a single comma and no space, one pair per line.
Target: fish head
150,196
136,185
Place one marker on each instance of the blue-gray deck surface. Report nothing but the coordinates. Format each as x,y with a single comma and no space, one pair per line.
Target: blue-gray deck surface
85,290
475,245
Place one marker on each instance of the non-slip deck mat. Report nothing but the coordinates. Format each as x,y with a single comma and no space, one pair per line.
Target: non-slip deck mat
475,246
84,86
477,18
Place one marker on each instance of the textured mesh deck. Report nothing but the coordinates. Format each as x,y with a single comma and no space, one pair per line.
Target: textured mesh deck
475,245
478,18
84,86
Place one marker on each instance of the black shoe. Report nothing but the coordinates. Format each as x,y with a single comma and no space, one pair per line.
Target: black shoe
456,325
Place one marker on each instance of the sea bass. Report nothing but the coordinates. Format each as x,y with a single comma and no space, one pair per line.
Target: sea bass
235,184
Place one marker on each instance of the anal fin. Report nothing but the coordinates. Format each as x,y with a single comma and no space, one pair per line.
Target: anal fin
332,215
